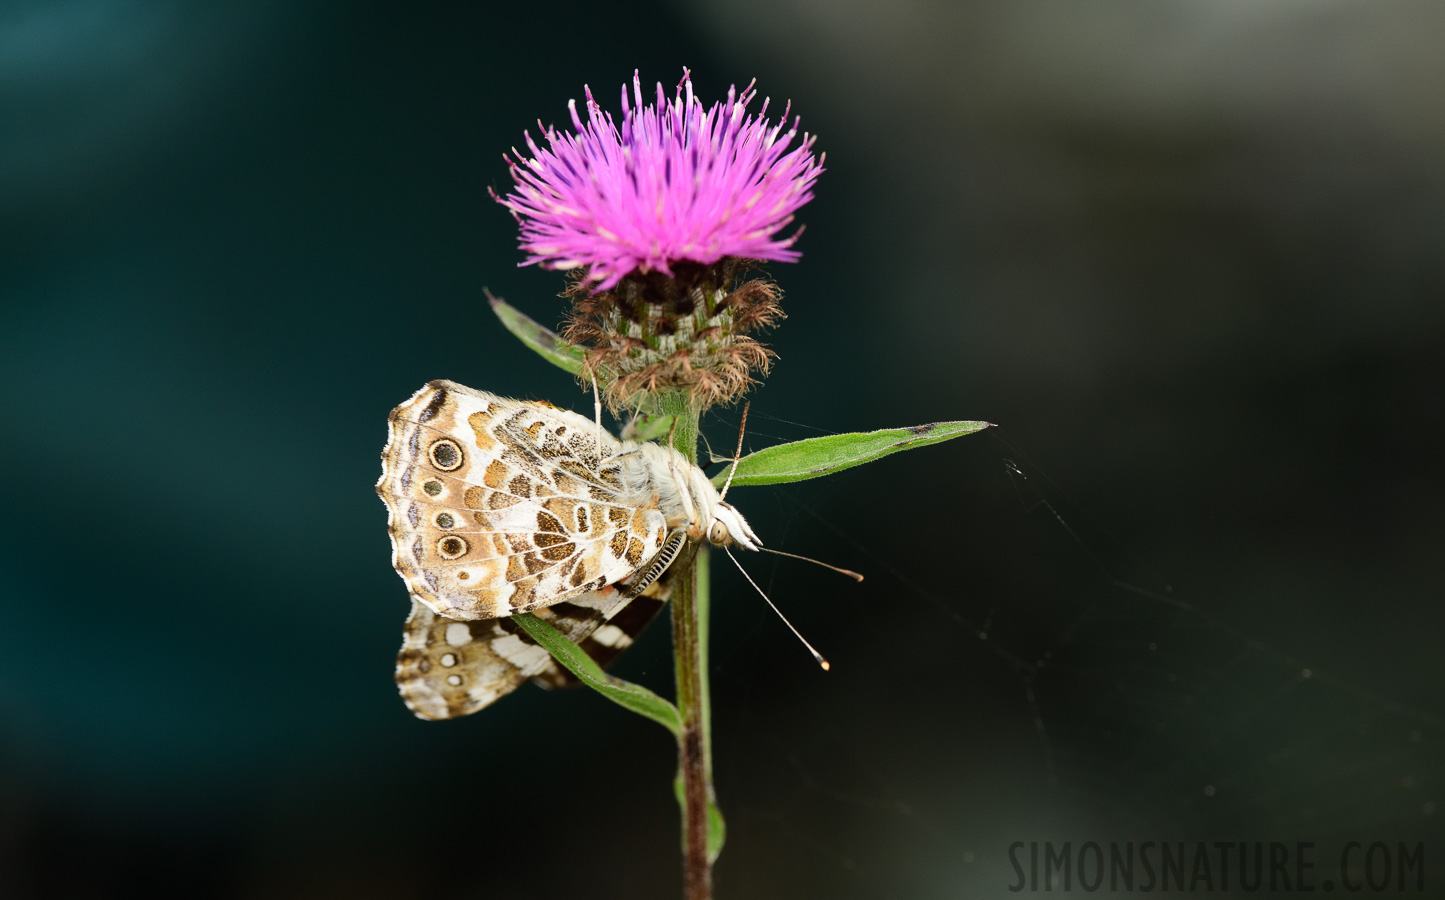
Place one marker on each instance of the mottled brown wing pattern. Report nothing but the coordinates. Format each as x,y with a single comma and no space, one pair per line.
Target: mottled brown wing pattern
449,668
499,506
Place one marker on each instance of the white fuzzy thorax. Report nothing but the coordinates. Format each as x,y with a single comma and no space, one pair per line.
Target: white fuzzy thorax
649,469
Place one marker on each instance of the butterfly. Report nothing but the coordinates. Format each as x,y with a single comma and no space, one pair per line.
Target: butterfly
497,507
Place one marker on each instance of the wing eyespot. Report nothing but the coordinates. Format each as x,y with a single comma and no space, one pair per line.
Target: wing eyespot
451,547
445,454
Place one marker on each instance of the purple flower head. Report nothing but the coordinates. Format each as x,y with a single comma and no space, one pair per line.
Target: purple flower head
675,182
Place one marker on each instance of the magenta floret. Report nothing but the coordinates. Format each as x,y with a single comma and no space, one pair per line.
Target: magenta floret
675,182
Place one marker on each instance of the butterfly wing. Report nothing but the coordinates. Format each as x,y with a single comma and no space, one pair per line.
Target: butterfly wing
622,626
449,668
500,506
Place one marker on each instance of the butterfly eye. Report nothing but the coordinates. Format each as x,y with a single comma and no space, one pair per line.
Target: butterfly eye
718,533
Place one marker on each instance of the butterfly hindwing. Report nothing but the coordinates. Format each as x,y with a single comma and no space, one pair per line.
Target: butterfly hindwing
449,668
500,506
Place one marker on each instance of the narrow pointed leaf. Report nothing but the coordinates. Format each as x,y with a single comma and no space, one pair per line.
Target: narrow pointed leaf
634,697
538,337
816,457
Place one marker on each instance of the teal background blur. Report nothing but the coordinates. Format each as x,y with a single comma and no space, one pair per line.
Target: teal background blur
1188,255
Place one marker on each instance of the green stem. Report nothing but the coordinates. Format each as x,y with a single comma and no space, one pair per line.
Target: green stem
689,631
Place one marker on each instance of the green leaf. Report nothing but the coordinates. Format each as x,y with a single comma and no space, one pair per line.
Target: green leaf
647,427
816,457
717,829
541,339
634,697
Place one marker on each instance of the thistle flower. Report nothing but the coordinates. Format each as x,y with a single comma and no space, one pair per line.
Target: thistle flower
676,182
661,220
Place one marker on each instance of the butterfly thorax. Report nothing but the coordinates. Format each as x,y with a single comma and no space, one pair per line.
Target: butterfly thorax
653,470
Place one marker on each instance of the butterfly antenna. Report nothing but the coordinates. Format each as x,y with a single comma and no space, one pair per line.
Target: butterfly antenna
811,649
817,562
737,457
596,409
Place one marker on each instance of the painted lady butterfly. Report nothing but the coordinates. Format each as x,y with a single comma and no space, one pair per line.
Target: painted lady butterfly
498,507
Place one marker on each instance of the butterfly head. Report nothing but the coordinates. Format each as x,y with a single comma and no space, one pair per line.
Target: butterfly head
689,501
729,527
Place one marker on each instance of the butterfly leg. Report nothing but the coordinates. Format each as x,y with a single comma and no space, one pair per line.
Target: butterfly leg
687,506
596,409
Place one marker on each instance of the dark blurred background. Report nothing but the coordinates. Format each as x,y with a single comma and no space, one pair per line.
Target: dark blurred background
1188,255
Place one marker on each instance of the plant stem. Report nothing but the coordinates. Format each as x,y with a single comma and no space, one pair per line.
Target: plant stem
689,659
692,743
704,613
